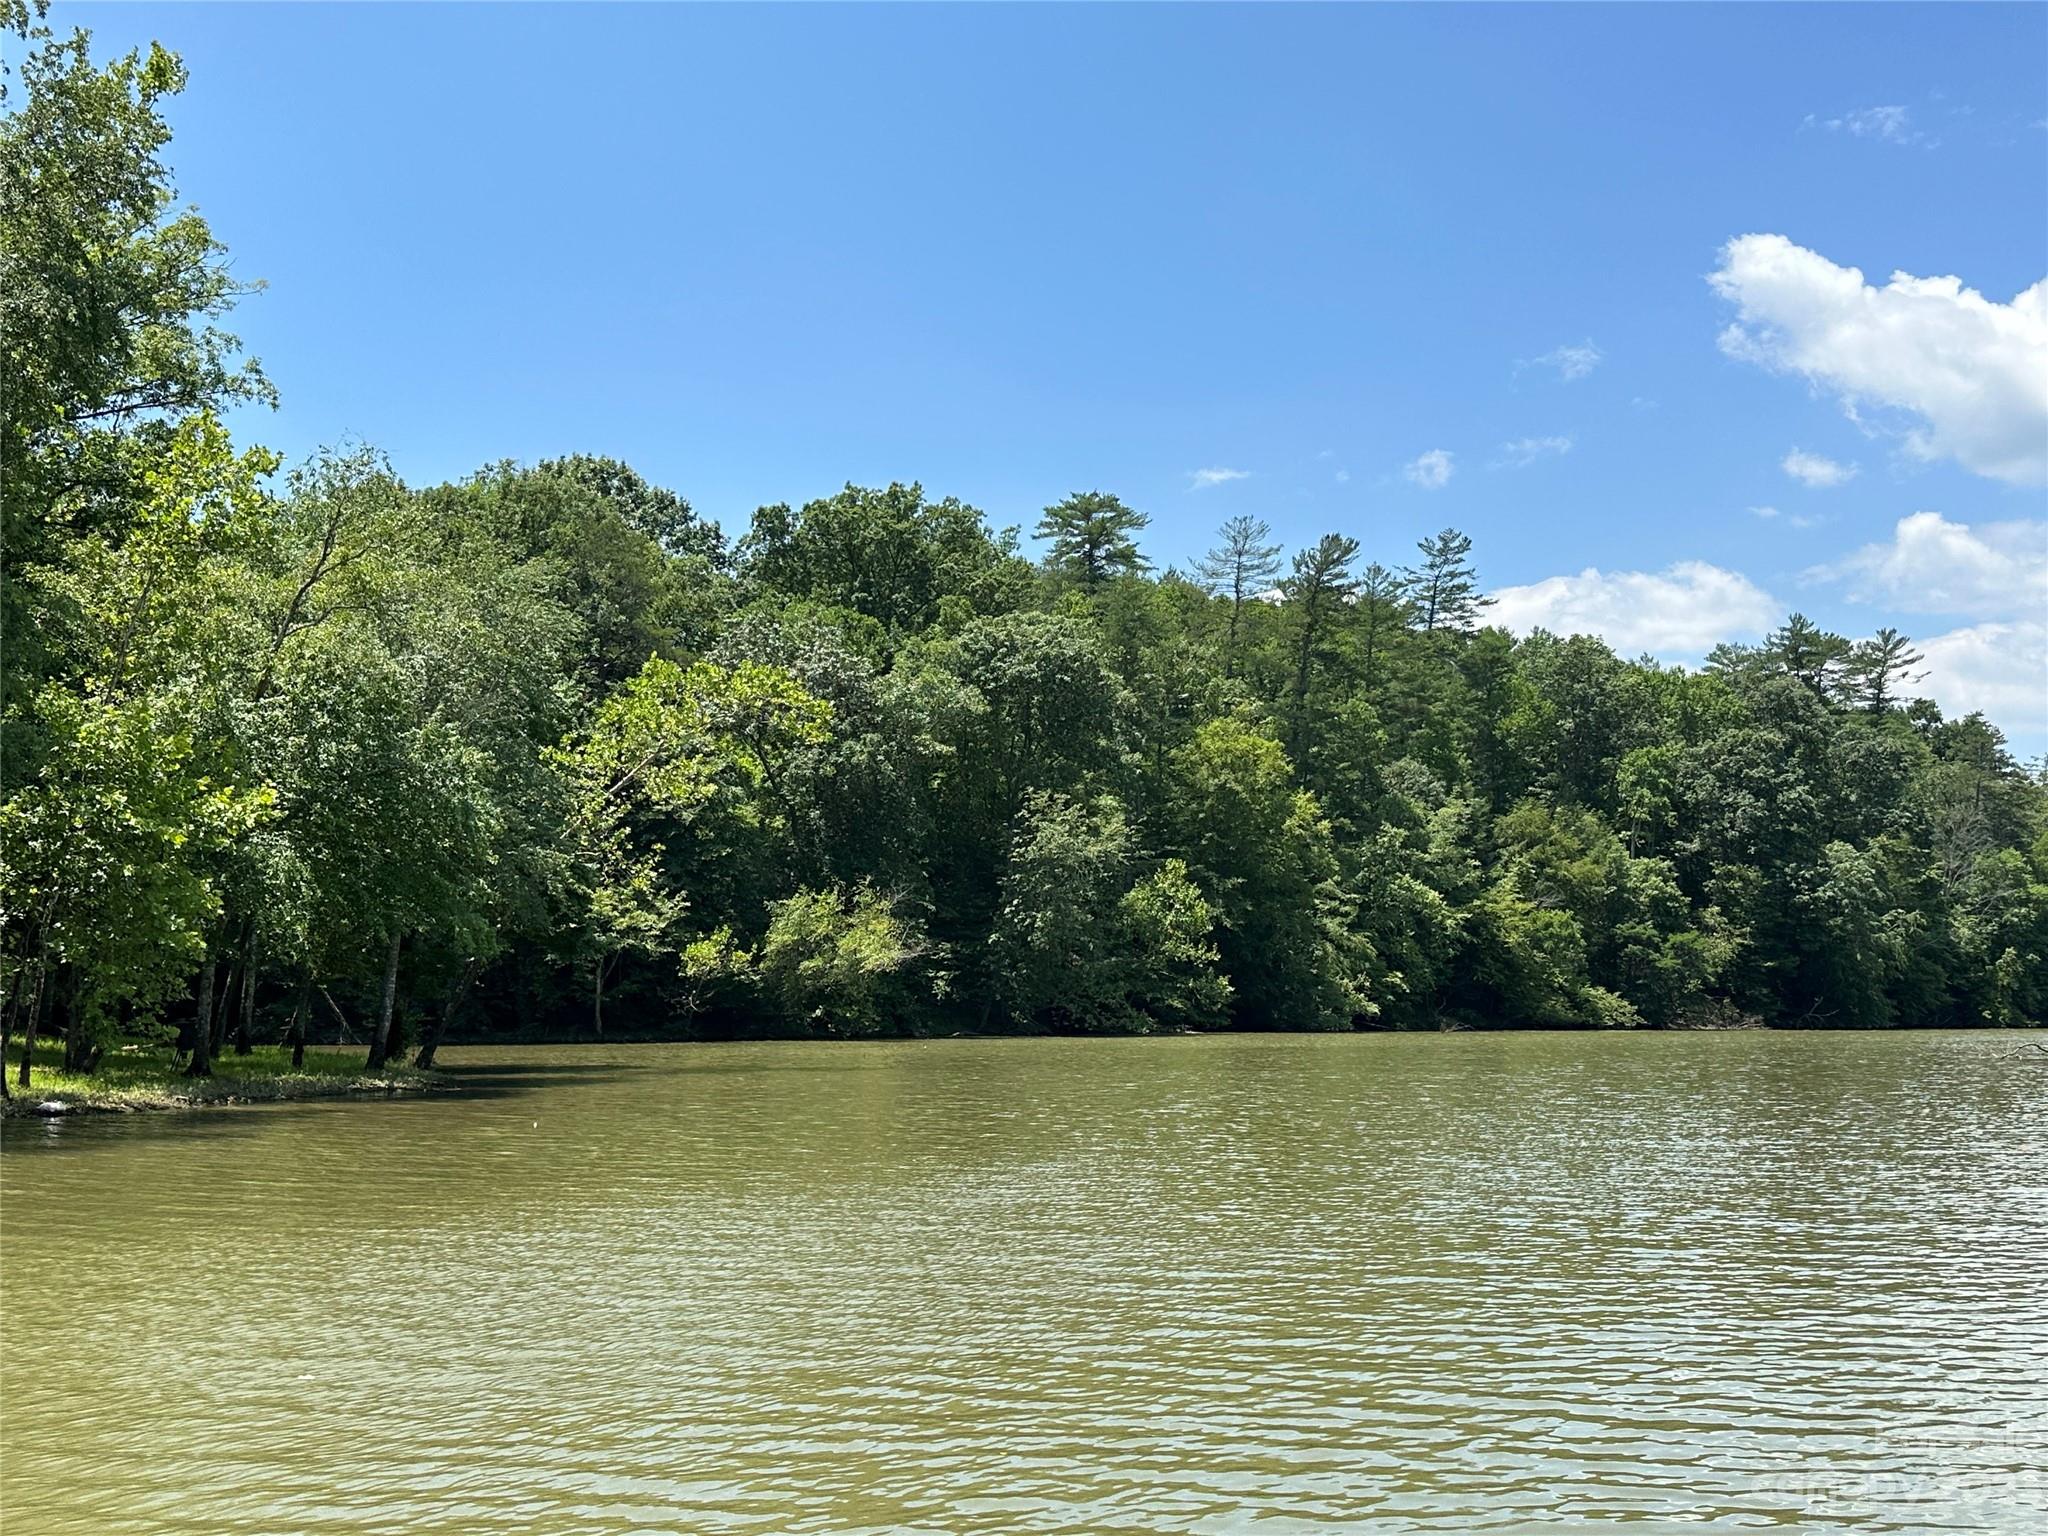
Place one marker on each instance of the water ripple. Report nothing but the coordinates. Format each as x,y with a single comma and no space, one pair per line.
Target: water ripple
1225,1285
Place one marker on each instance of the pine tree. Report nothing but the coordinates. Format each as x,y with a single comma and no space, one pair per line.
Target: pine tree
1321,583
1382,604
1882,667
1242,565
1445,588
1810,653
1093,537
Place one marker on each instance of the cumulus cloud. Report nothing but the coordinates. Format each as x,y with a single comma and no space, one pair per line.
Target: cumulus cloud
1967,375
1931,565
1816,470
1571,362
2000,668
1202,479
1432,470
1524,451
1682,611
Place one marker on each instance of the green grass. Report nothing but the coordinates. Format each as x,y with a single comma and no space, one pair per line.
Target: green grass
133,1077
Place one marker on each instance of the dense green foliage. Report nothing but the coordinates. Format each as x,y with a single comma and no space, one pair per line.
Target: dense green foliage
544,751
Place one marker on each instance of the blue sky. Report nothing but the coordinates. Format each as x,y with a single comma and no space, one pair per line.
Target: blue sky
1014,252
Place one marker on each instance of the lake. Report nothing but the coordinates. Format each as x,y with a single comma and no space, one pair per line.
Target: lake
1692,1282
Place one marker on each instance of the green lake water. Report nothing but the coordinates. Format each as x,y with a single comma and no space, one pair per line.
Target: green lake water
1229,1284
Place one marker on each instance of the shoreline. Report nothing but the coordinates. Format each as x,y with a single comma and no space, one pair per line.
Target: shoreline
156,1086
153,1085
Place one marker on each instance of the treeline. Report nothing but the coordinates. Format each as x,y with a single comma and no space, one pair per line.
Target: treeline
545,752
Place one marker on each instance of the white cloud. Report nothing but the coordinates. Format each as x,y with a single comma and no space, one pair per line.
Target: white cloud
1524,451
1816,470
1795,520
1969,374
1894,125
2000,668
1571,362
1682,611
1343,477
1202,479
1931,565
1432,470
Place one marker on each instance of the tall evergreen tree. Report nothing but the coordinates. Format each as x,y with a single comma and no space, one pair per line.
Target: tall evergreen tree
1241,566
1382,607
1094,537
1882,666
1810,653
1444,587
1318,589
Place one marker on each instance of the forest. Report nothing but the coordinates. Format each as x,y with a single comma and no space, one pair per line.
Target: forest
291,750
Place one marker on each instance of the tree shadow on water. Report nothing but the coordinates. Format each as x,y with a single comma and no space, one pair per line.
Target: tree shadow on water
501,1080
82,1134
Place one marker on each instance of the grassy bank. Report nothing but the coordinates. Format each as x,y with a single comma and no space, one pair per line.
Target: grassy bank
139,1077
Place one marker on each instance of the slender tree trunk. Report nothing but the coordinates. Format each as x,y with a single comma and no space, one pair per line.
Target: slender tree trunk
64,1018
202,1029
297,1032
245,1023
458,992
597,997
221,1011
35,1017
380,1037
342,1034
7,1031
7,1027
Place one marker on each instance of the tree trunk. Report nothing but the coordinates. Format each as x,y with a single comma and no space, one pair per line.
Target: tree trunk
35,1016
597,997
458,991
297,1033
7,1028
380,1037
202,1029
79,1052
342,1034
245,1022
221,1011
